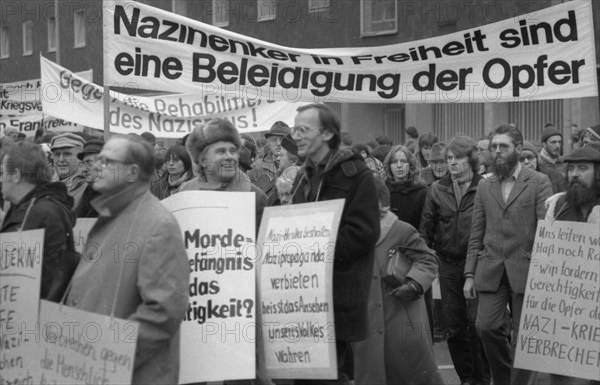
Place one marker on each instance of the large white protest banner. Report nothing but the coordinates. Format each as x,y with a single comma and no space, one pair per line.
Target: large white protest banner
548,54
167,116
28,124
218,331
295,300
24,97
20,277
80,348
560,323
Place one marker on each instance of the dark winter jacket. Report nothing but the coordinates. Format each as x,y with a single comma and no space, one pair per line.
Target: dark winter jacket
445,226
407,200
50,210
347,177
85,209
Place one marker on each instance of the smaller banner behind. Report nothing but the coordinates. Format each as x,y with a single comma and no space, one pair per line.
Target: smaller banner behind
71,97
218,331
295,279
28,124
560,322
20,277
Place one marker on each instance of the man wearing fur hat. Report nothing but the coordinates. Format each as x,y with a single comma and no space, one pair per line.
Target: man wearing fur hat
550,161
214,148
329,173
65,148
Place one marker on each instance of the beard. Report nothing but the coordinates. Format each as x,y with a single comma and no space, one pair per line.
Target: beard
579,194
503,169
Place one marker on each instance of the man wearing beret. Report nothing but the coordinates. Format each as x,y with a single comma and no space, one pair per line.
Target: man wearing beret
264,170
581,201
551,162
65,148
90,171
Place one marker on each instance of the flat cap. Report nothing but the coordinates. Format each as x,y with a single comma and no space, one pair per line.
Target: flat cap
67,140
584,154
92,146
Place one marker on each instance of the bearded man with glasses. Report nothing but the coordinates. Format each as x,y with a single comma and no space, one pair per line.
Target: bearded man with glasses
507,207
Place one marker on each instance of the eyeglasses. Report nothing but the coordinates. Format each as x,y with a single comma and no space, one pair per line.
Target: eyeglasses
90,162
502,146
105,162
301,130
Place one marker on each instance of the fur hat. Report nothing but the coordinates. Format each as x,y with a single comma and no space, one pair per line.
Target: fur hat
550,131
216,130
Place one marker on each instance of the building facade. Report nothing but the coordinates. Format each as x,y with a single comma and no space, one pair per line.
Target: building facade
70,32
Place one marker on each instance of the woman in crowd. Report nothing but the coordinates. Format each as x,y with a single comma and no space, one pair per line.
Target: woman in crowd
398,348
407,191
179,171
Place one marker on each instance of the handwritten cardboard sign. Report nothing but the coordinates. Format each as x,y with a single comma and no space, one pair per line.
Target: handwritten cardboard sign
295,299
560,323
79,347
20,277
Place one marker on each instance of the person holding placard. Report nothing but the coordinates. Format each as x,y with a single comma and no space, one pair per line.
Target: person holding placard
580,203
505,213
134,263
398,348
38,204
214,148
329,173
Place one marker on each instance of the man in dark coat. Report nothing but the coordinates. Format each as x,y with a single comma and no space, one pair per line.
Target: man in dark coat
38,204
329,173
550,161
505,214
446,227
91,169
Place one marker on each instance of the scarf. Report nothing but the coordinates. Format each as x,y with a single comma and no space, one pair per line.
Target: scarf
178,182
460,185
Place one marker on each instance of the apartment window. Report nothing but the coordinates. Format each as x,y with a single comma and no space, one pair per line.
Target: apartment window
27,38
4,43
317,5
79,29
266,9
378,17
52,34
220,14
180,7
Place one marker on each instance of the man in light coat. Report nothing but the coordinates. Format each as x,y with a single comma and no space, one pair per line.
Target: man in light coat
505,214
134,265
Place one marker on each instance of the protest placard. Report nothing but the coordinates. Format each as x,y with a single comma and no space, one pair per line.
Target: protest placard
20,277
80,232
548,54
560,323
166,116
295,300
218,331
78,347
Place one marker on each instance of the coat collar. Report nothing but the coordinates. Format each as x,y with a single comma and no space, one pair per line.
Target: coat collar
111,205
496,187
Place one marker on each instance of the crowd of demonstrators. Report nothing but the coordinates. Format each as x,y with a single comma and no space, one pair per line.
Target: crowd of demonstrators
450,204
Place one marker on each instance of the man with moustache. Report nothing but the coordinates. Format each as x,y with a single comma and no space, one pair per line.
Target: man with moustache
581,201
507,207
550,161
90,171
264,169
